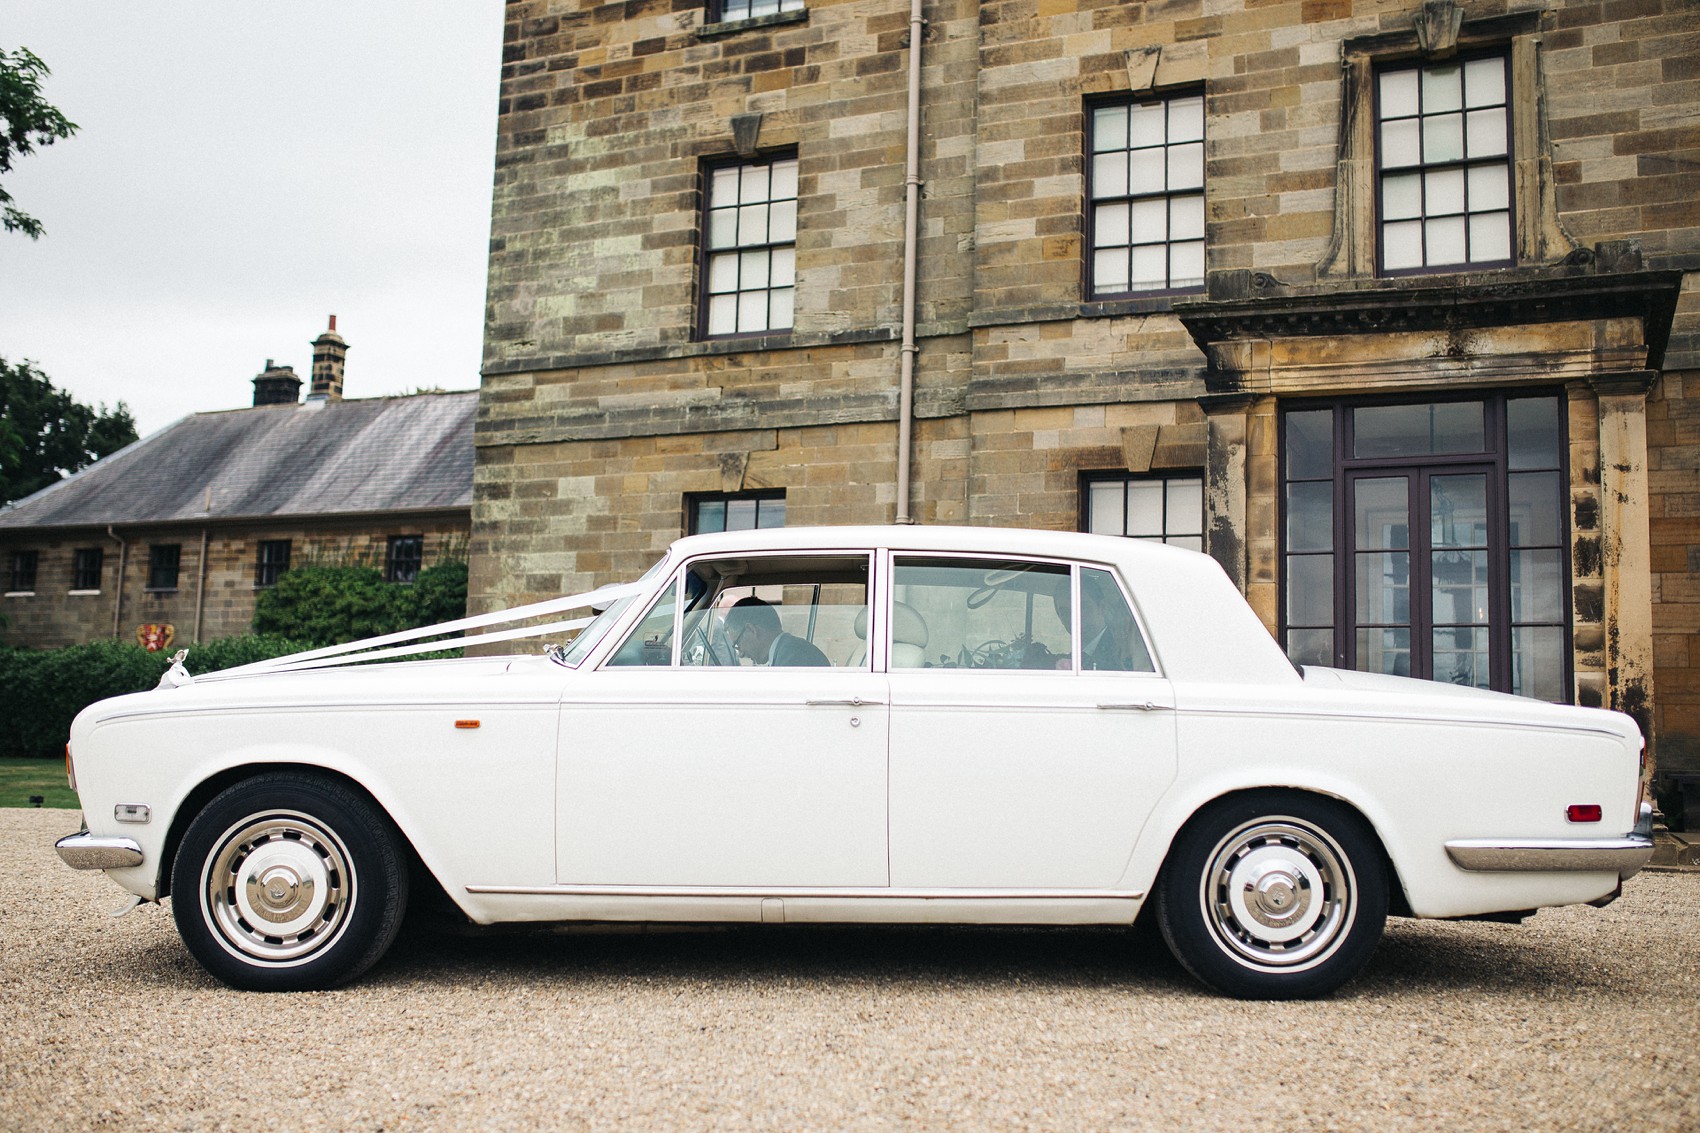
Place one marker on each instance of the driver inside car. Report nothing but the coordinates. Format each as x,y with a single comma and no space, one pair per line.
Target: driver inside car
1107,630
753,625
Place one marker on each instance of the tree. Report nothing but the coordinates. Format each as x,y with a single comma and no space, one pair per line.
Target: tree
26,121
46,434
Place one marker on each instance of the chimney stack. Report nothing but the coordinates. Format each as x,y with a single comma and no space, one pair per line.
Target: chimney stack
276,385
329,353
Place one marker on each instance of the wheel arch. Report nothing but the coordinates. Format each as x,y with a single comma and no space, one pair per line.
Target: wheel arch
215,784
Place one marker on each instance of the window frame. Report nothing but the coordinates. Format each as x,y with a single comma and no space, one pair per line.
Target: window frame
165,563
1089,246
716,11
1495,458
706,253
88,564
267,570
395,563
1508,161
695,500
1123,477
21,579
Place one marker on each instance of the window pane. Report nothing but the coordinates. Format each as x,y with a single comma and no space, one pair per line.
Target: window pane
1105,514
1110,226
723,314
1310,590
1398,94
1458,512
780,308
1459,590
1109,128
1443,241
1536,594
711,516
752,184
1484,81
1145,508
1443,88
1443,138
1186,218
1401,196
1109,175
1418,430
1443,192
1402,245
1485,132
1146,174
1382,513
752,311
752,270
1537,662
1109,271
1186,119
752,224
1186,264
1150,221
1150,266
1536,517
784,173
723,273
1461,657
1310,444
650,643
1184,514
1490,237
783,271
1146,125
1018,618
783,222
1532,430
1401,142
723,228
723,187
1489,188
1310,516
1186,166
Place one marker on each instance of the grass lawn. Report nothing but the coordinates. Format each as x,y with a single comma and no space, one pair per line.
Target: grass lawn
21,778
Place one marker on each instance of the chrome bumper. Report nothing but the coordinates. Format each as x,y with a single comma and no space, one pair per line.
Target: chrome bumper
85,851
1623,856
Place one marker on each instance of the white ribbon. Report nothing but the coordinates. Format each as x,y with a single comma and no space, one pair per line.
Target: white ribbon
388,645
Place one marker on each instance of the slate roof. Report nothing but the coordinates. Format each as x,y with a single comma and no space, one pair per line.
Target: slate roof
377,454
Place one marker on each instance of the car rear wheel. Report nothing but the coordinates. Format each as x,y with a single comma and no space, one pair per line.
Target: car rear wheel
288,882
1274,896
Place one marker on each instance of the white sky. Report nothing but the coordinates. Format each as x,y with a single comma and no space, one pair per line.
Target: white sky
242,171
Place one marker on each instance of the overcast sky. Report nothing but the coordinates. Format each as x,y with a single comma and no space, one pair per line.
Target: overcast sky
242,171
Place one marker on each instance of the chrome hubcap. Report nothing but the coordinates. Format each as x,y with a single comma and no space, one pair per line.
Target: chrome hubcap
278,888
1278,894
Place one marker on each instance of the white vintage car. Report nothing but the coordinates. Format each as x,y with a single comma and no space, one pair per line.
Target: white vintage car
855,725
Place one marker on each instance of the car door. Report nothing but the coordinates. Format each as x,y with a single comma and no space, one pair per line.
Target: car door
683,763
1015,763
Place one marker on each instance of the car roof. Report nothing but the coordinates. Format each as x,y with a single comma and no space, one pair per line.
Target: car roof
914,537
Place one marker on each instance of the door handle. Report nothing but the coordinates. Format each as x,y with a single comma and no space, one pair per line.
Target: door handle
1141,706
848,702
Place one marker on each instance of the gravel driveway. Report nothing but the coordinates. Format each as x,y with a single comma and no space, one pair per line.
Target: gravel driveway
1580,1019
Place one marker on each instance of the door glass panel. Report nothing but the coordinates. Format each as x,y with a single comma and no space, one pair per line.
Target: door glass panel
1310,516
1384,588
1458,511
1461,656
1460,587
1311,646
1418,430
1385,651
1310,444
986,613
1537,662
1382,513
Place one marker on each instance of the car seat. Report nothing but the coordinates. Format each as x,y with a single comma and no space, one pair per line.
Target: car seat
909,638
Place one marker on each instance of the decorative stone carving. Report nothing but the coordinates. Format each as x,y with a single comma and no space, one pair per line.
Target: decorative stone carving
1437,28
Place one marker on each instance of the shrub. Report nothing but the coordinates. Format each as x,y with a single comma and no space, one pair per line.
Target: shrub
48,687
328,605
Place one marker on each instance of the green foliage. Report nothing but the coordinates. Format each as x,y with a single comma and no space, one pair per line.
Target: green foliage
46,434
328,605
47,688
26,120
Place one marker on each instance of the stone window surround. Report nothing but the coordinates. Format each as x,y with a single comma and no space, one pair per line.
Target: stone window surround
1538,236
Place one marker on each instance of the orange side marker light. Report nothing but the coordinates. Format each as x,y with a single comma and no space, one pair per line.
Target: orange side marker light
466,723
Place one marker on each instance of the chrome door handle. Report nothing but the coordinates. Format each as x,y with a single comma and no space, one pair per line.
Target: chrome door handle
850,702
1141,706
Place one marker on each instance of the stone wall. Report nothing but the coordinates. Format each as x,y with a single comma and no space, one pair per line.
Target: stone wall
50,616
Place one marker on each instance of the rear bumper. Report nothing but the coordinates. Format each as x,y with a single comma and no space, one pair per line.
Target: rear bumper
1623,856
85,851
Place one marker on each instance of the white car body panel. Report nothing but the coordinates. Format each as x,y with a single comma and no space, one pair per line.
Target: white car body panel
602,793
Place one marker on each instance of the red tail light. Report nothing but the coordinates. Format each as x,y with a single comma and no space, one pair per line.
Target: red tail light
1583,812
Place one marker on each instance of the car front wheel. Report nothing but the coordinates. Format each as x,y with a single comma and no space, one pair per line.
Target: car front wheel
288,882
1274,896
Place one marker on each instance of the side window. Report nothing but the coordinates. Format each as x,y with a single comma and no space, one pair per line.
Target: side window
780,612
1109,637
980,614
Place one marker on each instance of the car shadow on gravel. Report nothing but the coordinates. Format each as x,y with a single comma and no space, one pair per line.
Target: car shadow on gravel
967,957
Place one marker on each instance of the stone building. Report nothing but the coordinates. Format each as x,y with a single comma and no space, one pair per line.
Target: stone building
186,526
1390,306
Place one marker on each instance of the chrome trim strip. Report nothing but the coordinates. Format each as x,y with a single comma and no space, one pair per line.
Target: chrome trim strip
709,891
85,851
1623,856
1307,713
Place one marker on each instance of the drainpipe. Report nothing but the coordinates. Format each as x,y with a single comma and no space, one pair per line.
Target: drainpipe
118,603
911,229
201,586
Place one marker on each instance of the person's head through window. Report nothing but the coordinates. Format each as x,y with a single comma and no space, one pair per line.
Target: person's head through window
753,626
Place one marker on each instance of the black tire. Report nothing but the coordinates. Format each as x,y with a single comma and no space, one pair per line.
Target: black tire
1274,895
289,882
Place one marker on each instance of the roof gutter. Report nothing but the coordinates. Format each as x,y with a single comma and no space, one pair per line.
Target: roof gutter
118,587
911,230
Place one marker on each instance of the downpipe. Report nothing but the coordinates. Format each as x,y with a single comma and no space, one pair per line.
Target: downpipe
911,232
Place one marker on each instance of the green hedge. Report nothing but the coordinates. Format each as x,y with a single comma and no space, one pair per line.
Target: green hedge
47,688
328,605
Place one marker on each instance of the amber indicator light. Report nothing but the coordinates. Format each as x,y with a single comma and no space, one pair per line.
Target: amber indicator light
474,724
1583,812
